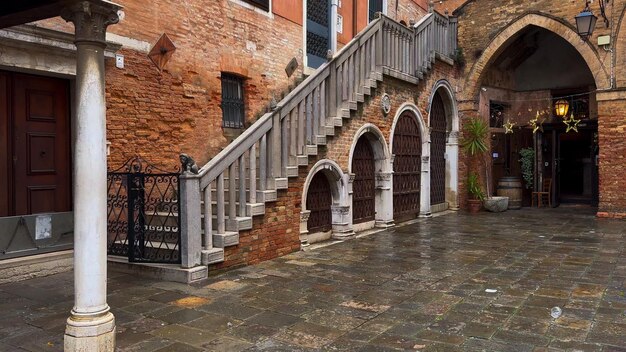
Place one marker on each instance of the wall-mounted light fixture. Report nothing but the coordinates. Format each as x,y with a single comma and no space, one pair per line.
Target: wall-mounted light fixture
561,106
586,20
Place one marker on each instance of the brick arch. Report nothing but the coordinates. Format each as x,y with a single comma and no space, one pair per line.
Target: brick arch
620,51
558,27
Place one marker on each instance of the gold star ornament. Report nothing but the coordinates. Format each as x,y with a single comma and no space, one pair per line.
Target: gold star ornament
537,123
508,127
571,123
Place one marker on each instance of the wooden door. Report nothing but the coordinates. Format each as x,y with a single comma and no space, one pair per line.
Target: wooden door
407,151
5,190
438,135
364,186
40,145
318,202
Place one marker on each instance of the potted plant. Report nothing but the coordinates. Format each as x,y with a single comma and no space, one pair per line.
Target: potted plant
475,144
475,192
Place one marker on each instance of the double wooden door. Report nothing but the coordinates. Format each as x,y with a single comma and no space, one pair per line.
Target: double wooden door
407,149
364,186
35,175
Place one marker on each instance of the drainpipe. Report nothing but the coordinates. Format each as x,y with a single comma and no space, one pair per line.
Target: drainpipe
334,4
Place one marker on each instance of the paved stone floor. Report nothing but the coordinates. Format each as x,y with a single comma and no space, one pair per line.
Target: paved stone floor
420,287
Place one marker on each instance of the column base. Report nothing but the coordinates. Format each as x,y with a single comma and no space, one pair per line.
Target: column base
426,215
383,224
90,334
343,235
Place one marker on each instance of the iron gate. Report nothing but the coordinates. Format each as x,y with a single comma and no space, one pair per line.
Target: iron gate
364,186
438,134
143,217
319,201
407,148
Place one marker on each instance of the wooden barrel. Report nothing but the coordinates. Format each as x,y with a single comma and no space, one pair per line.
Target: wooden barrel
511,186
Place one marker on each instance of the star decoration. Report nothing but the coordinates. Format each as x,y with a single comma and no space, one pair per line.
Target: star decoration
537,123
508,127
571,123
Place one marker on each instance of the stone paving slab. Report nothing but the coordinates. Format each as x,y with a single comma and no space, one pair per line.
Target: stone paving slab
450,283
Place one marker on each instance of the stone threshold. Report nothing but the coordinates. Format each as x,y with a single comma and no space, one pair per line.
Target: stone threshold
166,272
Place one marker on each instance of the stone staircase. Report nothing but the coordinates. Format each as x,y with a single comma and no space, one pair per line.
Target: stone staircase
236,184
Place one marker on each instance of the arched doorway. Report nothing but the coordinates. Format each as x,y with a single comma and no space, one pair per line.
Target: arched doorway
438,135
364,186
319,201
407,151
517,90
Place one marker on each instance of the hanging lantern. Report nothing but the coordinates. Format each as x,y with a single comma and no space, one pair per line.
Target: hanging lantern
561,106
586,22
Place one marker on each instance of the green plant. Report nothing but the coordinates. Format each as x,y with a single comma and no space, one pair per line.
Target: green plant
459,57
527,159
475,137
473,187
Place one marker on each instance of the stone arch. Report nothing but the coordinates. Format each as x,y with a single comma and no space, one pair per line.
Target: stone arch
445,91
563,29
383,169
425,166
338,182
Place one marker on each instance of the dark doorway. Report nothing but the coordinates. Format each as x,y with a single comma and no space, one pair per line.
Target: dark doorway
407,151
34,145
317,32
319,202
438,135
364,186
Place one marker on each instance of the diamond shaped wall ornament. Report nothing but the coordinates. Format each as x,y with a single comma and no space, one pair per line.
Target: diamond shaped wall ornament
162,51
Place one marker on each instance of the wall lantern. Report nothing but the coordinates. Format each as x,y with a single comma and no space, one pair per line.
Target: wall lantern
561,106
586,22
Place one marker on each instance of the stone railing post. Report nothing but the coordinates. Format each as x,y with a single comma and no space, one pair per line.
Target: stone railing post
190,220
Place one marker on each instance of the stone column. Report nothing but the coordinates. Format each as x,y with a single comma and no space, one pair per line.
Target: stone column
90,327
452,170
425,180
334,4
384,203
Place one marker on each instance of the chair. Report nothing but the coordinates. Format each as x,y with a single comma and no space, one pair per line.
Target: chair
546,191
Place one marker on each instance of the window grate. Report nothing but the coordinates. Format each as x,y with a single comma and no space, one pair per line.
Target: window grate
232,101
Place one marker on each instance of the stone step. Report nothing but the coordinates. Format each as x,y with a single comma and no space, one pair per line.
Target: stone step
367,91
292,171
281,183
255,209
337,121
352,105
345,113
311,150
212,256
303,160
329,130
371,82
320,140
227,239
266,196
239,224
359,97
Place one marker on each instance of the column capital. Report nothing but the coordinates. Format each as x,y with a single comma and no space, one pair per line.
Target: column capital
91,19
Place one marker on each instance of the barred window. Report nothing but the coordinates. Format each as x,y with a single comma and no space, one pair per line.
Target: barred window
232,101
374,6
262,4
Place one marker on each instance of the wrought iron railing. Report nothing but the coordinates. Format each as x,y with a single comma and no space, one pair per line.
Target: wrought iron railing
257,163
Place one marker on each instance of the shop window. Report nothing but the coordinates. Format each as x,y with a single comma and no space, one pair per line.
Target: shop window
233,107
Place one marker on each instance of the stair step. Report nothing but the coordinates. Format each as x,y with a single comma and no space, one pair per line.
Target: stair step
266,196
212,256
227,239
320,140
255,209
372,82
378,76
359,97
345,113
281,183
239,224
303,160
311,150
352,105
367,90
330,130
337,121
292,171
